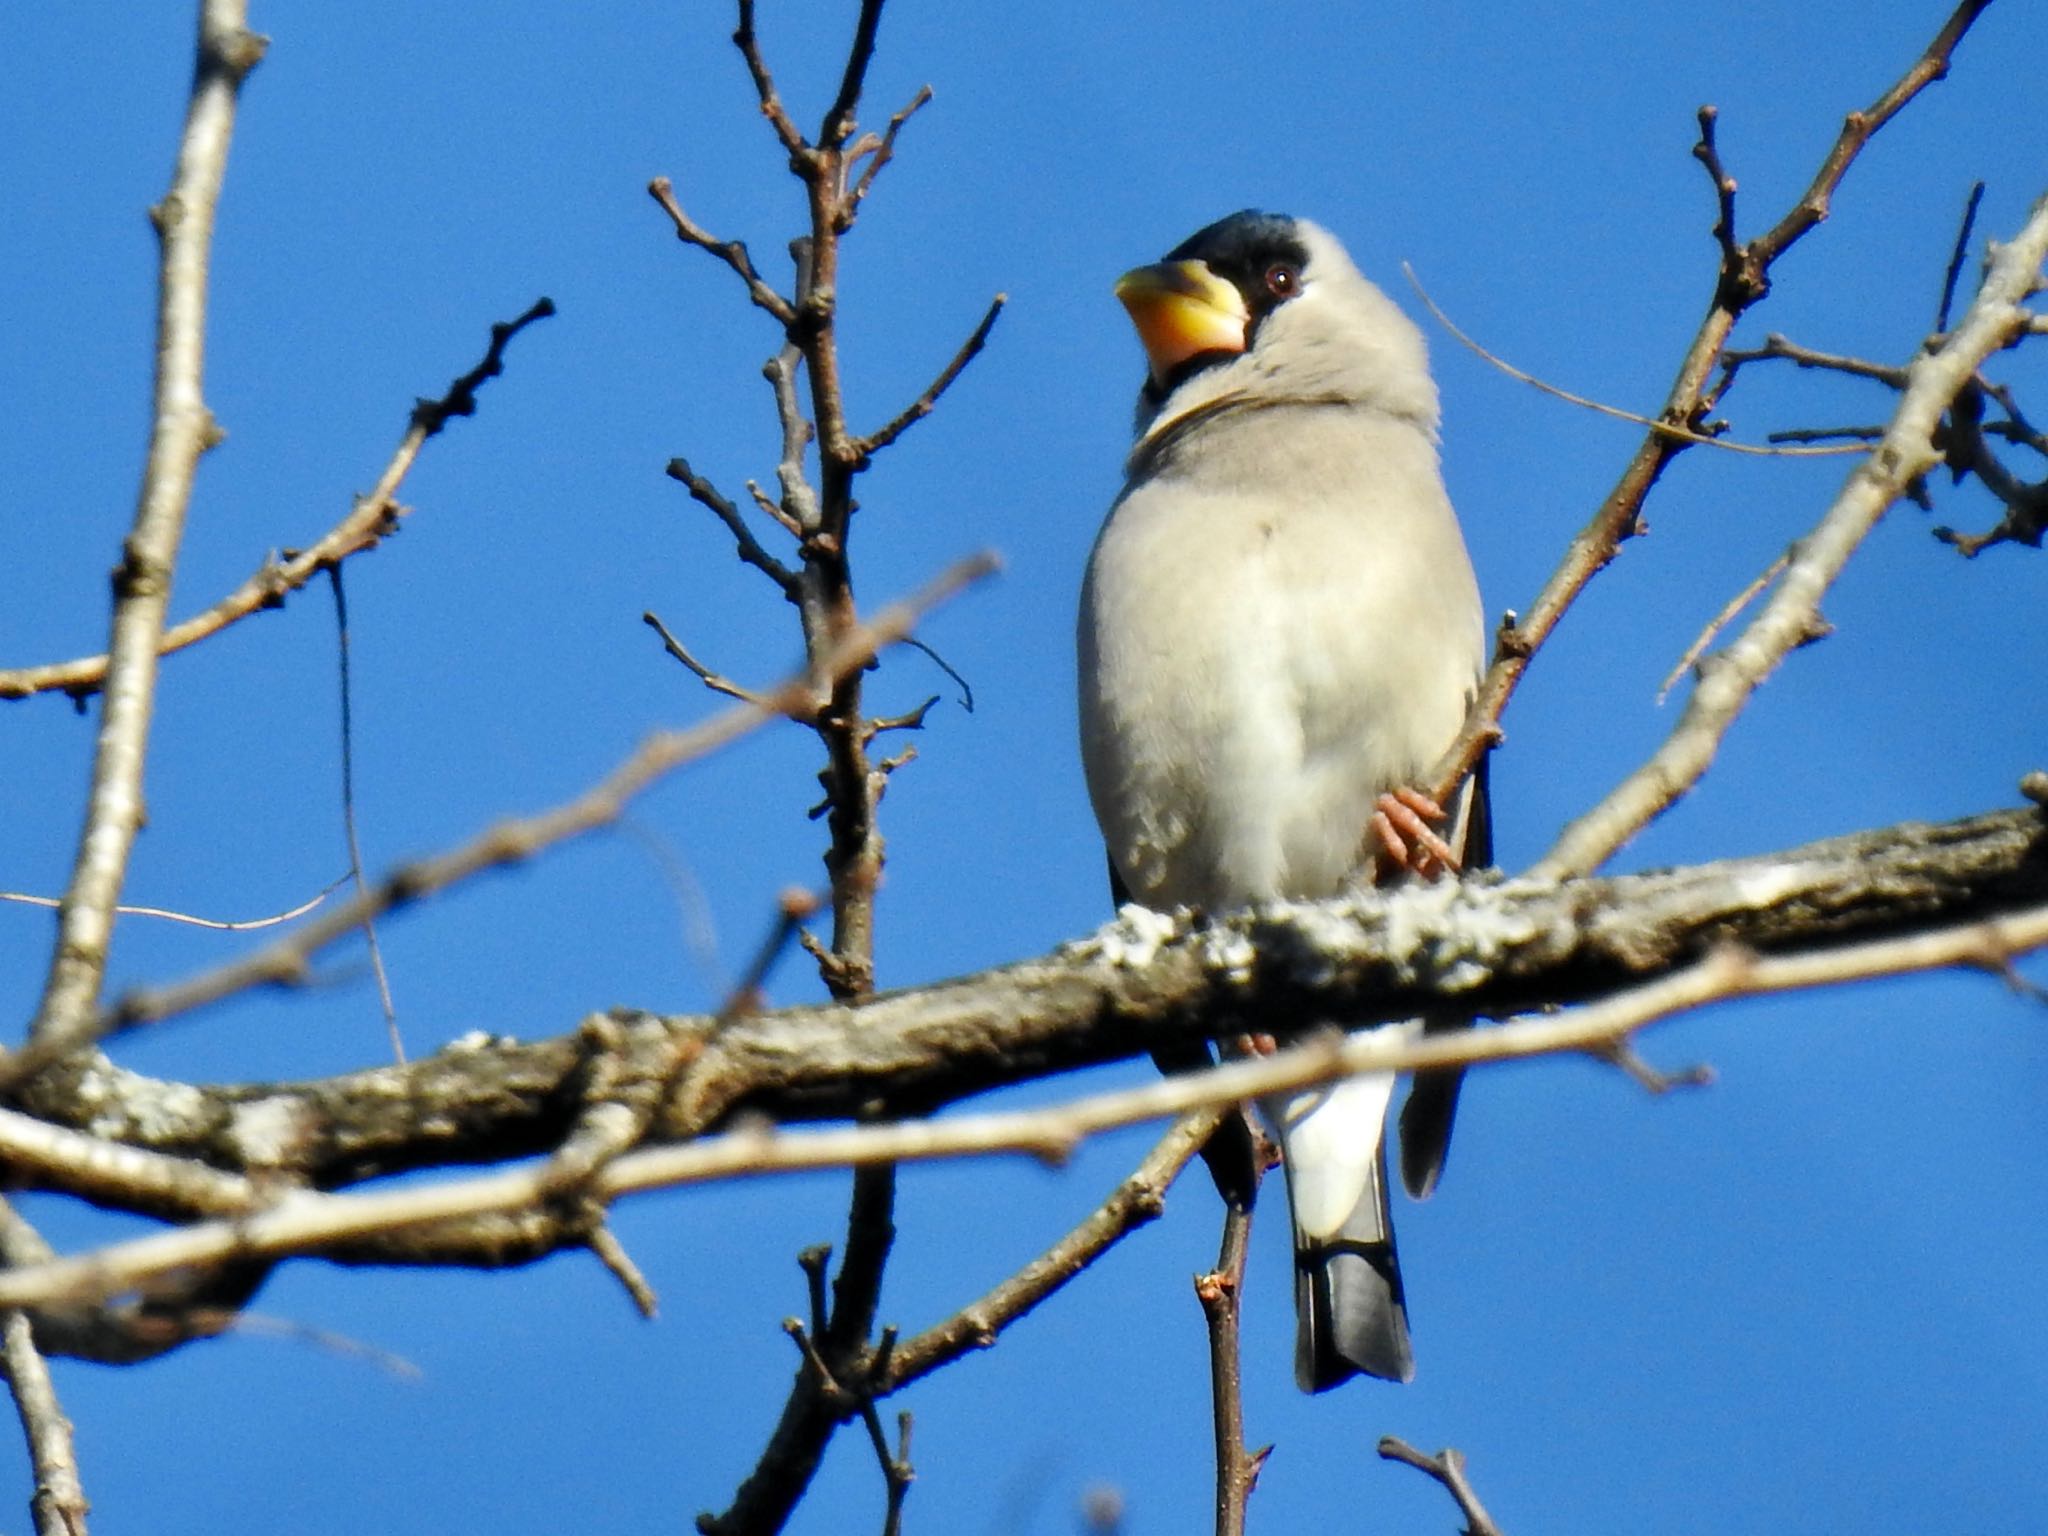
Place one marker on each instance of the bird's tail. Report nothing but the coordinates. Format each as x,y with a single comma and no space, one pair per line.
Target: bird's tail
1351,1313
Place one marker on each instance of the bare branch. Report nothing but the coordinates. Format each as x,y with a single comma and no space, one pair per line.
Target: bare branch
1857,130
1617,518
716,682
839,123
1708,153
307,1222
512,840
1729,678
348,809
182,428
1721,621
705,494
1137,1200
1221,1293
368,522
732,252
60,1505
1958,255
880,151
922,406
1448,1468
764,85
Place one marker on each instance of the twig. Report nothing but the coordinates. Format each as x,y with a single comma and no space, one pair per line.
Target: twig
1958,255
182,428
897,1472
1618,517
59,1505
966,688
1138,1199
1857,129
348,812
1661,428
1221,1293
764,84
716,682
1720,621
922,406
371,518
308,1222
838,125
1778,347
732,252
705,494
1728,679
882,150
1448,1468
219,925
1708,153
606,1248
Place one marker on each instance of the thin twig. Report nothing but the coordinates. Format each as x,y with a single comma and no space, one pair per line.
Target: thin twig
1708,153
369,520
218,925
716,682
181,429
59,1505
348,813
1221,1292
750,549
880,151
732,252
922,406
1448,1468
839,124
1138,1199
1958,255
1662,428
1720,621
764,84
1857,129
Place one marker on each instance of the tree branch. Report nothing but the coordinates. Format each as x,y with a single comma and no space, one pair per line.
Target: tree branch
1726,680
1743,280
182,428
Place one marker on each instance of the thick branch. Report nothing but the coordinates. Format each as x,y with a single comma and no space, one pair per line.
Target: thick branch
1140,984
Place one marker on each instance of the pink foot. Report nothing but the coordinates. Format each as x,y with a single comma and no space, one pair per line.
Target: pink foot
1401,822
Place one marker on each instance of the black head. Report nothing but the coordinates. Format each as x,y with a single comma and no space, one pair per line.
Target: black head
1262,255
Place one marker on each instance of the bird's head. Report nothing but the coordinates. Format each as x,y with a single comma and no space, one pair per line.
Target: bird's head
1268,309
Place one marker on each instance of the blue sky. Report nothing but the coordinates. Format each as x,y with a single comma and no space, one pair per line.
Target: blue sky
1807,1298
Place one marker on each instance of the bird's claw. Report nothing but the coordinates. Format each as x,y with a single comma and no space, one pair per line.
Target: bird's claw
1401,822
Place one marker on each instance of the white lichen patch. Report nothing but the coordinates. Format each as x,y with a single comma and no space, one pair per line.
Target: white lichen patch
266,1132
1228,955
1134,940
127,1106
1761,889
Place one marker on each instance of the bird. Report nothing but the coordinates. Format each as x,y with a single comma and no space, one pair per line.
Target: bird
1280,633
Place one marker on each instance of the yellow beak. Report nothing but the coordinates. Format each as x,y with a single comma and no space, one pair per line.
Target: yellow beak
1181,309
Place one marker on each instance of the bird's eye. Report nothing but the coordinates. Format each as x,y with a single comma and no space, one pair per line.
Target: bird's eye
1282,280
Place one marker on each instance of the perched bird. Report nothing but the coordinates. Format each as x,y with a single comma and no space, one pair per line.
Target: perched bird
1280,633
